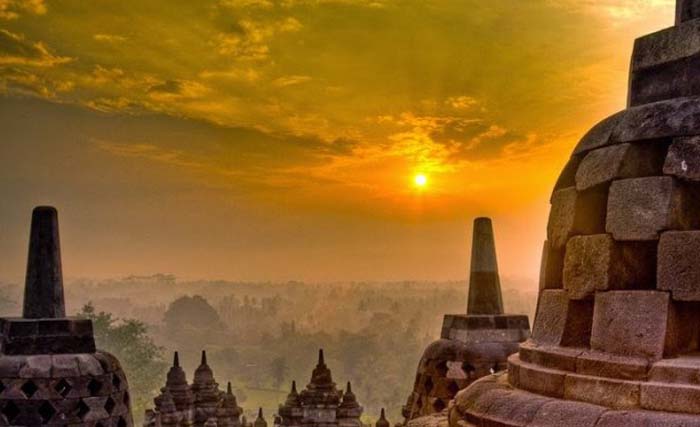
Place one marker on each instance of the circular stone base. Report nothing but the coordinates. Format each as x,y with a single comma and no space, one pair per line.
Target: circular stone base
492,401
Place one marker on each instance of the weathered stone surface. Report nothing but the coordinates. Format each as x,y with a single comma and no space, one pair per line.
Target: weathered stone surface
680,370
630,323
36,367
561,413
600,134
664,119
598,363
599,263
670,397
611,393
484,284
550,320
540,380
567,178
668,45
683,159
575,213
641,208
551,268
646,419
619,161
562,358
514,409
43,290
678,267
687,10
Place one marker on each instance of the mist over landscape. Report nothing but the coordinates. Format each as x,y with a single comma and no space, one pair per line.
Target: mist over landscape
261,336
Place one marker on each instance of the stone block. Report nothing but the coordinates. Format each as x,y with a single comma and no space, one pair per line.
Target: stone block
600,134
599,263
678,267
611,393
683,328
567,178
550,320
669,45
89,365
561,358
551,267
540,380
65,365
670,397
680,370
641,208
601,364
683,159
561,321
561,413
664,119
515,409
647,419
630,323
36,367
10,366
575,213
620,161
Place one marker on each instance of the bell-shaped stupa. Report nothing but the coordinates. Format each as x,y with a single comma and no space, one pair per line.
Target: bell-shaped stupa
50,372
471,345
616,337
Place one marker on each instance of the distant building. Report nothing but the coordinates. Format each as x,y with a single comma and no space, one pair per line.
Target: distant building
200,404
321,404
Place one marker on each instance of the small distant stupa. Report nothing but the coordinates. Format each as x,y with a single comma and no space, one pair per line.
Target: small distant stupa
321,404
471,345
200,404
50,372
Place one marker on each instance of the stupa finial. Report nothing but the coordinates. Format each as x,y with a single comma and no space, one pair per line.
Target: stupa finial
484,283
43,289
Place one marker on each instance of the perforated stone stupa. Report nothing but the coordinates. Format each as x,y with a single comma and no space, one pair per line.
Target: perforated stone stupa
50,372
615,339
200,404
471,345
321,404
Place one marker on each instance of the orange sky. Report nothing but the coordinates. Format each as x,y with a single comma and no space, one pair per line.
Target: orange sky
279,139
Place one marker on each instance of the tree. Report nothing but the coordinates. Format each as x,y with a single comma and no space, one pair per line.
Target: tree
141,359
278,371
191,313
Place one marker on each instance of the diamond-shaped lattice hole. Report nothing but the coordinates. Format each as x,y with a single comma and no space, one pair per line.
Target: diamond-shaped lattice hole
121,422
10,411
94,386
439,405
2,387
29,389
109,405
116,382
99,425
63,387
47,411
83,409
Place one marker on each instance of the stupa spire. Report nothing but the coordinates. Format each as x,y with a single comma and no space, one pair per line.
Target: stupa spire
484,283
43,290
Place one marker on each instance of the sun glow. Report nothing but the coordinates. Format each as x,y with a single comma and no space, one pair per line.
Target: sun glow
420,180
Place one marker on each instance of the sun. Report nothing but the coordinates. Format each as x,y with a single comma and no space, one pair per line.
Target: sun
420,180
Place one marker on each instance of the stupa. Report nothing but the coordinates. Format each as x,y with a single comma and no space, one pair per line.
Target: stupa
183,405
50,371
471,345
615,339
320,404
